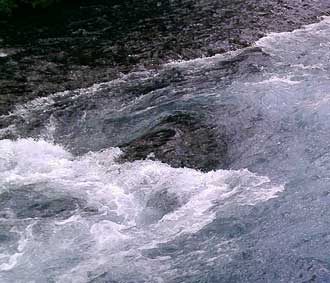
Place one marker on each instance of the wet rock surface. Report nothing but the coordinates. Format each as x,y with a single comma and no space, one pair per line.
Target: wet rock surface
28,203
76,44
181,141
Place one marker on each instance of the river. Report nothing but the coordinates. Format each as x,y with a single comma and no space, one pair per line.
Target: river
211,169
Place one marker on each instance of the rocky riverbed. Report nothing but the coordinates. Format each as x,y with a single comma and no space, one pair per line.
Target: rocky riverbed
77,43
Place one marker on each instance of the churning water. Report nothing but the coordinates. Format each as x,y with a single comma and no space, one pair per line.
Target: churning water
72,211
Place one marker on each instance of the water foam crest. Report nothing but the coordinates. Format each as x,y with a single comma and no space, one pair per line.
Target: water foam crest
122,208
301,46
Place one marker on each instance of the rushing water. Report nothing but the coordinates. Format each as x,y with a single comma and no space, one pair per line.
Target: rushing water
73,211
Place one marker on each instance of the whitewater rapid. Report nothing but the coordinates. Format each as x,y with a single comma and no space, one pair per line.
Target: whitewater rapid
109,224
71,210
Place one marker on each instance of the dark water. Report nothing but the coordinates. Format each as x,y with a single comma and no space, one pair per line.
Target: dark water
241,195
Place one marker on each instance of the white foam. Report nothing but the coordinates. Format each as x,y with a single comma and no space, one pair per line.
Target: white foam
306,46
277,80
44,103
204,61
28,161
8,261
12,261
122,190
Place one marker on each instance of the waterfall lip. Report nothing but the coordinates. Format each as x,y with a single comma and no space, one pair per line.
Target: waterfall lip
266,43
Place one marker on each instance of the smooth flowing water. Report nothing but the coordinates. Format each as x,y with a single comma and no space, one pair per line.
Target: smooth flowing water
72,209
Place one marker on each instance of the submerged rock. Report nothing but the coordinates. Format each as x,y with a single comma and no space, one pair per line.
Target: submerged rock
181,140
27,203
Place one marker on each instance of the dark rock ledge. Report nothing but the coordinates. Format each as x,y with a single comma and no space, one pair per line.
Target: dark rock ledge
78,43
